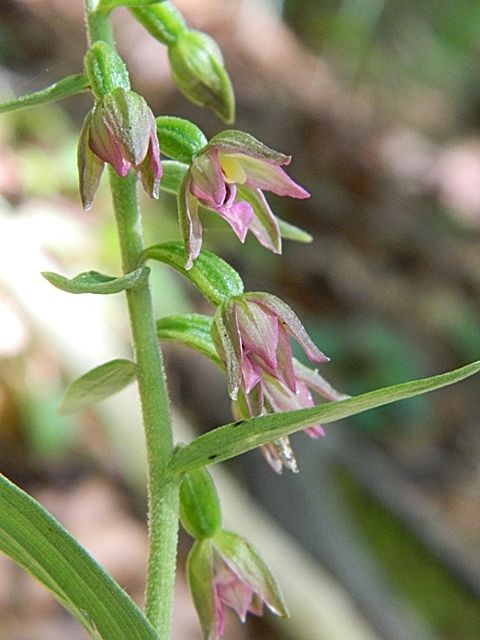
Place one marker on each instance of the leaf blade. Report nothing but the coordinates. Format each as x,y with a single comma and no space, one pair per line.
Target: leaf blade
191,330
62,89
95,282
239,437
97,384
35,541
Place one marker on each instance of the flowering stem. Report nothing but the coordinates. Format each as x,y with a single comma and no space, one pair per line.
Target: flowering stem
162,487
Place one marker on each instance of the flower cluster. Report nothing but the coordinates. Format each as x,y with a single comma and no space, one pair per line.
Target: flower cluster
228,177
251,333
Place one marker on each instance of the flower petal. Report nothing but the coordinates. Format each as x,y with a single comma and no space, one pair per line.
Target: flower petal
104,143
268,176
239,216
208,184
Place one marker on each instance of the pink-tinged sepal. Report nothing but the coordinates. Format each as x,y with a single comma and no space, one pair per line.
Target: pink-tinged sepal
317,383
226,570
190,224
291,323
264,224
233,141
227,340
151,169
279,455
268,177
90,167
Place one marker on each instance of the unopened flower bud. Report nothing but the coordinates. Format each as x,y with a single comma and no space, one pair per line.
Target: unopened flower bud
105,70
200,512
199,72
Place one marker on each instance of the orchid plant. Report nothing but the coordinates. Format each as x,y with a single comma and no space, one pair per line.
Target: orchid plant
247,336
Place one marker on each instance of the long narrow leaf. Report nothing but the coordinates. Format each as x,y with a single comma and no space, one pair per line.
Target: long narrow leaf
238,437
62,89
33,539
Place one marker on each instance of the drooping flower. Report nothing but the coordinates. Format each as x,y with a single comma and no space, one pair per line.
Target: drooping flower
228,177
226,570
251,333
121,131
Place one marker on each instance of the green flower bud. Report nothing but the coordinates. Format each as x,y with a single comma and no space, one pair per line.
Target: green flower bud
199,72
162,20
200,512
105,70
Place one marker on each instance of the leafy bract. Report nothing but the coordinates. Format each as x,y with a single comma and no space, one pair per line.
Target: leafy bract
238,437
98,384
212,276
94,282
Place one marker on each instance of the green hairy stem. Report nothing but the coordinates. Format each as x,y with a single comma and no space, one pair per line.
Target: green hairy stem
162,487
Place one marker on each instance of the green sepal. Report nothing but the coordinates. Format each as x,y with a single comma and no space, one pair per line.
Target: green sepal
291,232
198,71
94,282
200,582
236,438
97,384
246,562
179,139
200,512
212,276
62,89
162,20
105,69
173,175
38,543
191,330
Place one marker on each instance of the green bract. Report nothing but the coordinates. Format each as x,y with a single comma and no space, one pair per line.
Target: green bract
200,512
105,70
179,139
98,384
173,175
191,330
212,276
62,89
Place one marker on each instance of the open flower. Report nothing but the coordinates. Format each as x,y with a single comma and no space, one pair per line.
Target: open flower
121,131
227,571
228,177
251,334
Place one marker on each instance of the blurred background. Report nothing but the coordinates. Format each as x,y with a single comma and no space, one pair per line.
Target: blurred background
378,101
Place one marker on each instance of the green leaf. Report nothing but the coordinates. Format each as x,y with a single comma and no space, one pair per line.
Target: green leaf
179,139
233,439
94,282
173,175
35,541
191,330
212,276
62,89
291,232
98,384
